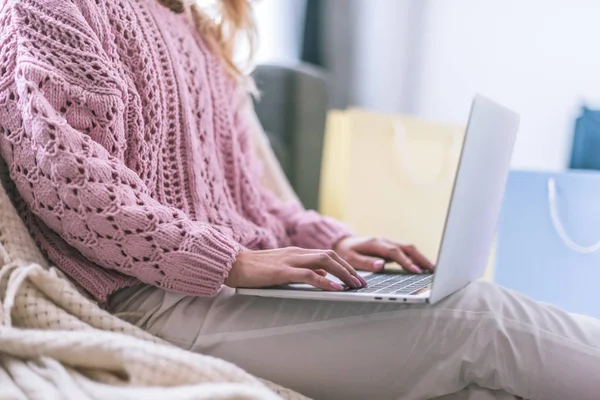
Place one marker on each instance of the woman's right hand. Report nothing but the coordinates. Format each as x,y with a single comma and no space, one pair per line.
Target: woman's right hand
254,269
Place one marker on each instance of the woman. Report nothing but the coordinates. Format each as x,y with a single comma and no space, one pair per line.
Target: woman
127,135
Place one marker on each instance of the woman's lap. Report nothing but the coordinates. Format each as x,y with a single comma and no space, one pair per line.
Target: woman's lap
482,335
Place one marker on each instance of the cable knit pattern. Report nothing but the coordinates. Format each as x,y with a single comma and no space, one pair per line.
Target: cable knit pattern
129,150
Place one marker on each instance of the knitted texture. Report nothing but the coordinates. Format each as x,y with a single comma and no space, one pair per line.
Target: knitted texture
56,343
130,157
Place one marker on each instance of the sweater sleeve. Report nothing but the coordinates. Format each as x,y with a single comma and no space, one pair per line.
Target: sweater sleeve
61,124
305,228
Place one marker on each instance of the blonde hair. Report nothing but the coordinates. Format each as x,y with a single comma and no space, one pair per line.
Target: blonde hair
234,21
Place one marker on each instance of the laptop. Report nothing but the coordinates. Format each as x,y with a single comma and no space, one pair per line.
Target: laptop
469,228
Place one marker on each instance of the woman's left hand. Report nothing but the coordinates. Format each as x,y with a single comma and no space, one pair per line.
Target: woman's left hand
370,254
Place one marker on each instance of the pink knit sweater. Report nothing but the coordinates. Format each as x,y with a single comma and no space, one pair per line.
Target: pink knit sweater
130,162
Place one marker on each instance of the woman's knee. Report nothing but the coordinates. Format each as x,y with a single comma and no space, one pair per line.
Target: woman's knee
482,288
478,296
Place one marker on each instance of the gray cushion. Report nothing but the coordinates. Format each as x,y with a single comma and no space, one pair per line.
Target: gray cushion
292,110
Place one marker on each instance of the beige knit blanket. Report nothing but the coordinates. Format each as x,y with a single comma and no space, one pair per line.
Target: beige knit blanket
57,344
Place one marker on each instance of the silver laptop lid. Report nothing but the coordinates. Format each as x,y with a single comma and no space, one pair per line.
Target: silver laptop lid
477,196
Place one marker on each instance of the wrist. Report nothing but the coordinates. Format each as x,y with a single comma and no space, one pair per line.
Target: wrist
234,271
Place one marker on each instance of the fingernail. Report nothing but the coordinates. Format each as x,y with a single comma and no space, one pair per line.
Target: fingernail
416,269
378,265
362,280
356,282
335,286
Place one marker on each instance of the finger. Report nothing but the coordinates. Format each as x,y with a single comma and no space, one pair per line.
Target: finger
366,263
355,278
303,275
321,272
325,260
418,257
375,248
358,280
350,269
396,254
389,251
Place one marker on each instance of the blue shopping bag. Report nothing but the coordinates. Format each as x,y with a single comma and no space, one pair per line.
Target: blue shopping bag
586,140
549,239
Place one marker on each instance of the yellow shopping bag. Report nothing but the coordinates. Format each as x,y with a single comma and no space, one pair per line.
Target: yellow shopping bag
390,175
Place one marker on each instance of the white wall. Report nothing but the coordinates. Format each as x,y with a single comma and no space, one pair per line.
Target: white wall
539,57
280,27
429,57
387,39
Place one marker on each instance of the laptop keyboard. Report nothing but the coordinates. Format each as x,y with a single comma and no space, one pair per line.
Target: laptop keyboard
394,283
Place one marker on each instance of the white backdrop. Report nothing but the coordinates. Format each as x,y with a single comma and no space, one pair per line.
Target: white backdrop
537,56
280,26
428,57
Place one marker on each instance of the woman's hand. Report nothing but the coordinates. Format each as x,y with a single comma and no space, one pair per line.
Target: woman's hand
371,254
292,265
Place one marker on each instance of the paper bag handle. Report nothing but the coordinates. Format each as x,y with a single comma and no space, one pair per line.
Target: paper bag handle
559,227
407,164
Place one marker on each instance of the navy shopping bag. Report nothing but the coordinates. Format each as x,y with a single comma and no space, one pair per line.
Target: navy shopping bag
586,140
549,239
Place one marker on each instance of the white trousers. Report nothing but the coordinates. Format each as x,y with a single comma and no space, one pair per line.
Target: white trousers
496,343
